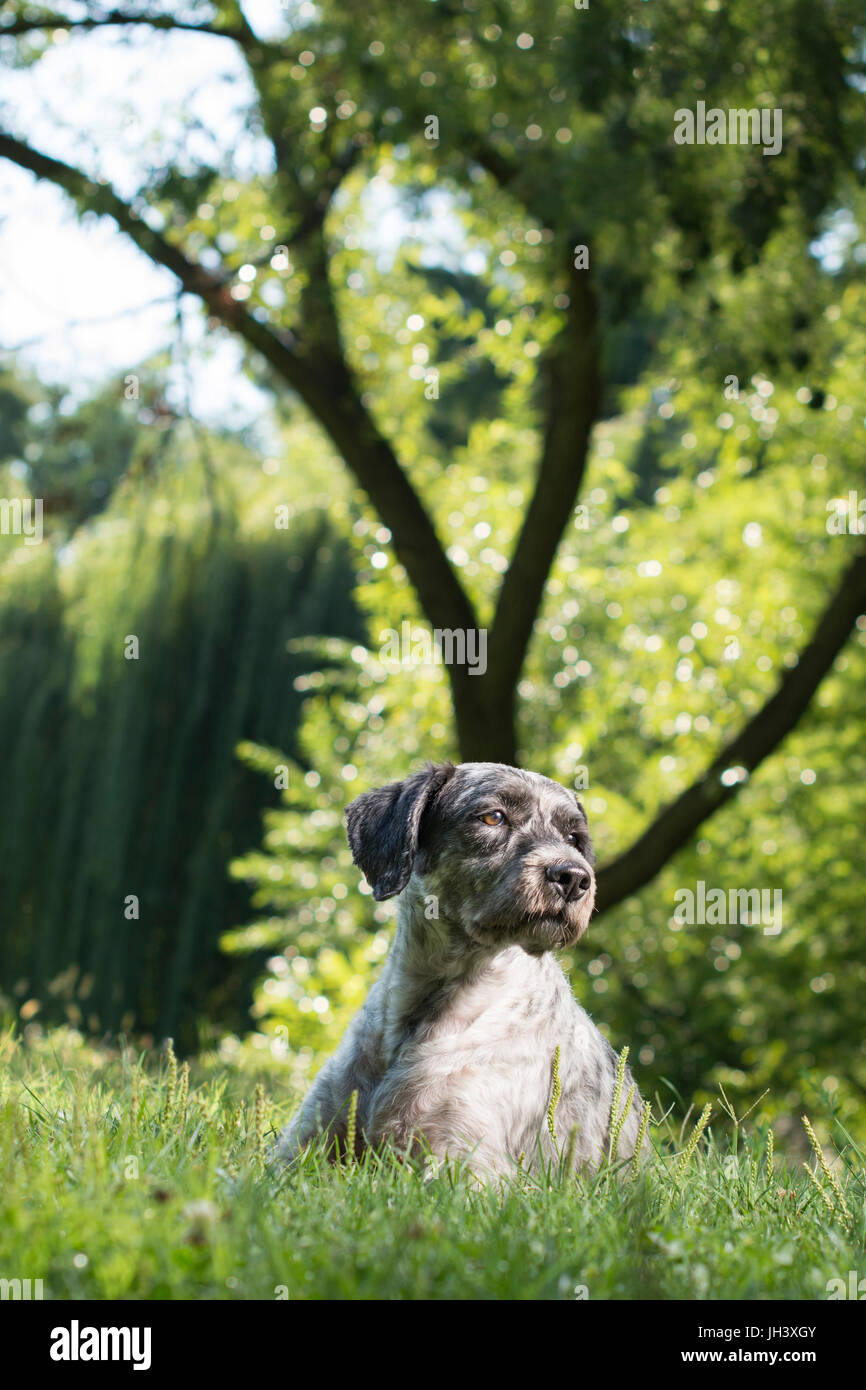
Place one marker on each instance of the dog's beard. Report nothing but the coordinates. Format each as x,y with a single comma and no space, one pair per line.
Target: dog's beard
538,925
551,932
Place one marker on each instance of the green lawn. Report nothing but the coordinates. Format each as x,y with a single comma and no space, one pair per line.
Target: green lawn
119,1182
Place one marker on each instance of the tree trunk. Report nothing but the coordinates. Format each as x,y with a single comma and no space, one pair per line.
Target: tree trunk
484,715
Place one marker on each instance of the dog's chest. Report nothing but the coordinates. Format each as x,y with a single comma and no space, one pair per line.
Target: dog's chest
508,1006
482,1068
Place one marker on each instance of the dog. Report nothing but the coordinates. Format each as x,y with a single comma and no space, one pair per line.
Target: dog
452,1054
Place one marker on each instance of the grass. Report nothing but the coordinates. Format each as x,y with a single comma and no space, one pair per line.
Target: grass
124,1177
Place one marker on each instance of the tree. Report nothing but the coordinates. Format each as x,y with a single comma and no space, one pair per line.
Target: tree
561,122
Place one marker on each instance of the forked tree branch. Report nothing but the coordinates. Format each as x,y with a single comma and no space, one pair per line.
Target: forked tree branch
571,375
677,823
324,382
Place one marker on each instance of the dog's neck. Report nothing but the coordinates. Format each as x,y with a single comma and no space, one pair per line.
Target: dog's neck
435,974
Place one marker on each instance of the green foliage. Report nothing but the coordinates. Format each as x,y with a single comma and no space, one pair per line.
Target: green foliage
15,402
74,453
114,1189
77,454
124,801
555,128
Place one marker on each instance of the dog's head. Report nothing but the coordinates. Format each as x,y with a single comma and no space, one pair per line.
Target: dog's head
505,853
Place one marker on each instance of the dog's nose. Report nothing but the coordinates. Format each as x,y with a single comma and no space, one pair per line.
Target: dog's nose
571,880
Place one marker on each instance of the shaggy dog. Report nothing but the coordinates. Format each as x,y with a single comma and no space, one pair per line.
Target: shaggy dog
453,1051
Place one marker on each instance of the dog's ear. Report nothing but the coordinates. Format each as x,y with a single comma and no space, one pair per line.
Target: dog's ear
383,827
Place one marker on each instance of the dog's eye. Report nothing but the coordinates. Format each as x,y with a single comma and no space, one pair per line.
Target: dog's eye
493,818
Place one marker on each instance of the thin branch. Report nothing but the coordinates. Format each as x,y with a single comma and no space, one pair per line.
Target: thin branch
92,195
313,218
112,19
70,325
677,823
500,168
